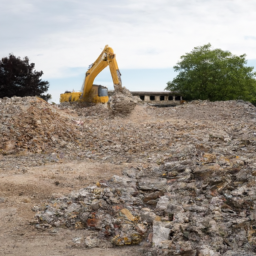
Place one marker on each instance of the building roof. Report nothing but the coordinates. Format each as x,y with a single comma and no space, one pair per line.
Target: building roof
153,93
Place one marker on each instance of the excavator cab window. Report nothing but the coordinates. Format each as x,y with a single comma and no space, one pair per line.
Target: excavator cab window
102,91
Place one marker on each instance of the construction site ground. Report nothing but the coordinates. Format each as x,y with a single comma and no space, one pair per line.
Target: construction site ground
30,175
21,191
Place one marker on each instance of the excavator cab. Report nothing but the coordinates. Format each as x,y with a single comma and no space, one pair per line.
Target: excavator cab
102,91
98,94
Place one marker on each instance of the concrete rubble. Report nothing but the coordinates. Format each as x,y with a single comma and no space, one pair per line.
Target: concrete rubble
190,184
205,205
122,102
29,124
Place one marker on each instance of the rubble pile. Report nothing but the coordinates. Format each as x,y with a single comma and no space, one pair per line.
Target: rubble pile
190,184
195,195
206,110
30,124
150,140
195,203
122,102
88,111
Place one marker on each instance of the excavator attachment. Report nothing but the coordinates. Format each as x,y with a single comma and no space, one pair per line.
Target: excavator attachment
96,93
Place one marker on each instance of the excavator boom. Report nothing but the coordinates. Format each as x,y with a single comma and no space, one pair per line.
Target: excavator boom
92,93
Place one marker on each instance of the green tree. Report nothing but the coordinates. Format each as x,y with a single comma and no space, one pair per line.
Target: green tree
214,75
18,78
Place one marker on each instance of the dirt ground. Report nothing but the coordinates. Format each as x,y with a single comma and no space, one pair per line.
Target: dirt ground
20,191
23,188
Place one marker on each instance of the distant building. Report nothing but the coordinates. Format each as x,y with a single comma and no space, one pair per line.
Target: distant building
160,97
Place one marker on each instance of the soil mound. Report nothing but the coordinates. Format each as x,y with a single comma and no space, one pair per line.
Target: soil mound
88,111
209,111
122,102
31,124
184,179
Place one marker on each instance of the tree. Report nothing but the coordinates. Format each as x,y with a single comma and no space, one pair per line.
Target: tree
214,75
18,78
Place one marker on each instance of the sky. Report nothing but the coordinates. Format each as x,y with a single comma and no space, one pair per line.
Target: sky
63,37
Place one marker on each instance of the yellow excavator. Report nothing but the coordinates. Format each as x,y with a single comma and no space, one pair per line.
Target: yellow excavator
96,93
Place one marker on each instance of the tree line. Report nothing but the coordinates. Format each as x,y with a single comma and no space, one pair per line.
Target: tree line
18,77
215,75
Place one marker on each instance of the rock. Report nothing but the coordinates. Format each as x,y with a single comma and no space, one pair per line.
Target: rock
91,242
205,251
163,203
131,173
160,232
152,184
141,228
128,214
147,215
77,240
122,102
129,239
166,244
151,196
84,216
124,181
73,208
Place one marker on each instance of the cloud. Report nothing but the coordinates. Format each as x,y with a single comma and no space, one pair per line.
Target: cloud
58,35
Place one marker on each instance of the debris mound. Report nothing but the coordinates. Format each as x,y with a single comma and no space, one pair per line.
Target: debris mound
31,124
188,205
209,111
88,111
122,102
196,196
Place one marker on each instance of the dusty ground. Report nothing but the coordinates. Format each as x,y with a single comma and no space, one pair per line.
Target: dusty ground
26,182
22,188
21,191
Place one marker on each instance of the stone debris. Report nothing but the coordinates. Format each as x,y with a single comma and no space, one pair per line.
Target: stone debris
87,111
29,124
208,111
189,189
122,102
204,205
91,242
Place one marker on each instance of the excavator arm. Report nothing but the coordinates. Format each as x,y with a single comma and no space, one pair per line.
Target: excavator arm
90,92
106,58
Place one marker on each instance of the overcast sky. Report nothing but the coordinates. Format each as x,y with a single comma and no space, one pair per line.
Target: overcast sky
62,37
